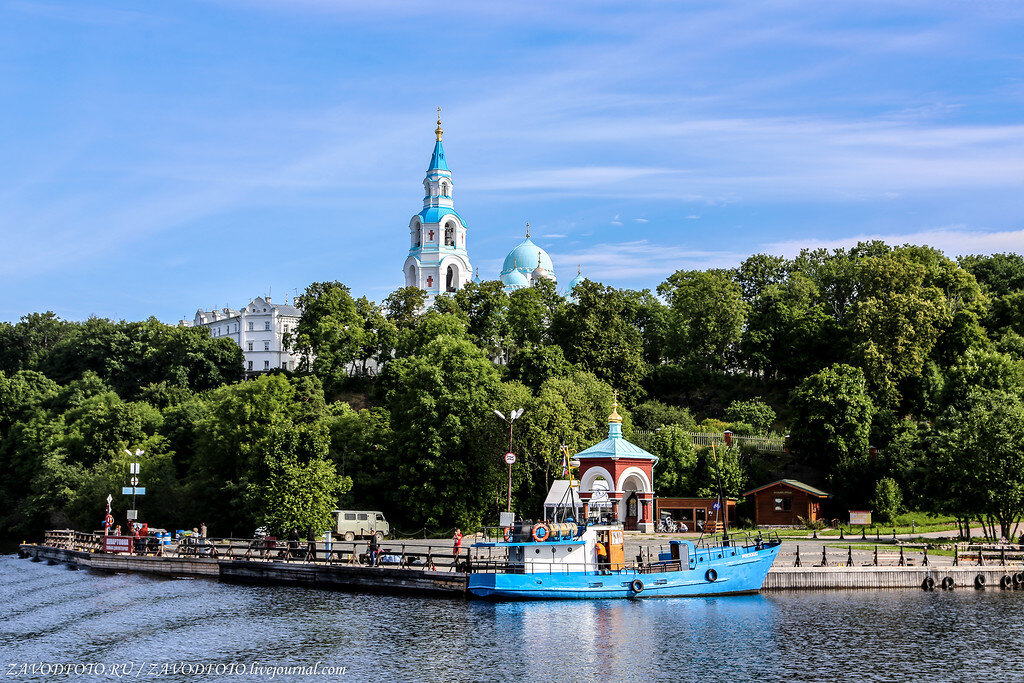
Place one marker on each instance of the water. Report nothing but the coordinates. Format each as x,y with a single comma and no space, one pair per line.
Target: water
165,628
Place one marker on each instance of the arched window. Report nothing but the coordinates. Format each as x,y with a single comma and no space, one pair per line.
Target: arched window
452,280
417,235
410,278
444,189
449,235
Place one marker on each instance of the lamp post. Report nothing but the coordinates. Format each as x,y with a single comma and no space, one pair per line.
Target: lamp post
510,457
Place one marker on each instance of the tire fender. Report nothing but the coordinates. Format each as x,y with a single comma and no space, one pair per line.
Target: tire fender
711,575
637,586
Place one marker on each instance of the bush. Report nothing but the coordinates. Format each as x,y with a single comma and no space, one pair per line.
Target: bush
654,414
887,501
754,412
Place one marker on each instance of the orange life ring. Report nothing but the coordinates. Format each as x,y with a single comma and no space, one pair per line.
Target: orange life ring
508,534
541,532
109,520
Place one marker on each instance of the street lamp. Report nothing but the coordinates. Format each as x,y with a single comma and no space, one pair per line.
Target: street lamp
510,457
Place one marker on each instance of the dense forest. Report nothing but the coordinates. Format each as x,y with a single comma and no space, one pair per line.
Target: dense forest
896,372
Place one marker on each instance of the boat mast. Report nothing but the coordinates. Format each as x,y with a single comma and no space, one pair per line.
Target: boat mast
721,498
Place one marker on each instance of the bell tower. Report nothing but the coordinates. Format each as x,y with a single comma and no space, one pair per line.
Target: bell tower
438,261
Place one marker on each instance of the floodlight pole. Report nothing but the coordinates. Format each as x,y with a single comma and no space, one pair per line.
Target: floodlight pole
513,416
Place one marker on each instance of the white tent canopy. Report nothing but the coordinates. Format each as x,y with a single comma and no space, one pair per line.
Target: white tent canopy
562,495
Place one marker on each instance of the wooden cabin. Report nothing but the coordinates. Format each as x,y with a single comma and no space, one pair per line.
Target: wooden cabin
782,502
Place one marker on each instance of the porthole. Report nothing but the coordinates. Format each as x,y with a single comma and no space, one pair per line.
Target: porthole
537,550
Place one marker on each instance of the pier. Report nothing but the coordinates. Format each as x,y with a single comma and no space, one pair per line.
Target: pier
429,570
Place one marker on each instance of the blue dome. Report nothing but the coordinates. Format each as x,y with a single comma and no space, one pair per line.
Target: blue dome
514,279
525,257
575,281
434,214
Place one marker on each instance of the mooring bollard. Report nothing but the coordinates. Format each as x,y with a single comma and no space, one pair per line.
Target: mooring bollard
1002,556
878,533
849,557
924,562
824,559
815,532
876,555
956,555
796,563
894,533
903,562
863,533
981,556
841,537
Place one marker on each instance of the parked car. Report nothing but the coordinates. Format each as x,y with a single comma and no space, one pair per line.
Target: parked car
352,524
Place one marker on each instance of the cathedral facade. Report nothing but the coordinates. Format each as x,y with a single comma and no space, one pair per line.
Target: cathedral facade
438,260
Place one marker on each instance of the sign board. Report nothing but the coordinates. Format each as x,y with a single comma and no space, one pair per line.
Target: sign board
134,468
135,481
133,514
506,519
133,490
117,544
716,505
510,458
860,517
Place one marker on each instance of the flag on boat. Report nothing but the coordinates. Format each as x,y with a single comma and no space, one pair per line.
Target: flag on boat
565,465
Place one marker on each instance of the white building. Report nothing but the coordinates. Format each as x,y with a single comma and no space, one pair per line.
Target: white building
437,261
259,329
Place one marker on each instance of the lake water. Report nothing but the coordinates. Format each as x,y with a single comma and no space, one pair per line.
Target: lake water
142,627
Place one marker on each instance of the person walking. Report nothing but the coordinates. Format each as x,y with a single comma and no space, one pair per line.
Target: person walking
602,557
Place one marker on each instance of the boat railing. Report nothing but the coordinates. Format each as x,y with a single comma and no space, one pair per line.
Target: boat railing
551,568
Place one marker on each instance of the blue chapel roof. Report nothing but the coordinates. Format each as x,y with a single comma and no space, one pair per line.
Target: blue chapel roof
434,214
437,161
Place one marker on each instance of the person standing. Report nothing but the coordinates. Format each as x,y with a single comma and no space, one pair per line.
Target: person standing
202,530
456,548
602,557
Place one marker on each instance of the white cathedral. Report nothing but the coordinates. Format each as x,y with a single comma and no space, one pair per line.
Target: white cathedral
438,260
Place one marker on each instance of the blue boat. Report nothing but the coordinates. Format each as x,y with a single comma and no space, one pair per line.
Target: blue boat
560,561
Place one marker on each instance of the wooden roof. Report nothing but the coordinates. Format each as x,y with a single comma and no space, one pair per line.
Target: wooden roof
795,484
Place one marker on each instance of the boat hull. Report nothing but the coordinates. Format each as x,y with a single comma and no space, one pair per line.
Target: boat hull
736,574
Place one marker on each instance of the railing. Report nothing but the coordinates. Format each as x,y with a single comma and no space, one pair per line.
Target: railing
431,557
768,444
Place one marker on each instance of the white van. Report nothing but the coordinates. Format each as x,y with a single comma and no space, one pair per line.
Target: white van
353,524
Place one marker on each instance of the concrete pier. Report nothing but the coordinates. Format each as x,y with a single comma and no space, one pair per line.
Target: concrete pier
841,578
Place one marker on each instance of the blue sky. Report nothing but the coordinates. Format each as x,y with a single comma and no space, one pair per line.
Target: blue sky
162,156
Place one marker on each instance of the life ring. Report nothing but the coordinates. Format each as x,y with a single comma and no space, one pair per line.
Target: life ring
1006,583
711,575
928,584
637,586
979,581
947,583
109,520
541,532
508,534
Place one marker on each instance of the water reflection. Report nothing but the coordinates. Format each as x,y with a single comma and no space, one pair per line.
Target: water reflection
52,614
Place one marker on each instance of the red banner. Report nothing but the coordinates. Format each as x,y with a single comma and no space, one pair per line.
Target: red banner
117,544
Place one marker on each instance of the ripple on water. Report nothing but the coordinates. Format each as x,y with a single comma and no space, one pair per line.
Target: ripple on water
53,614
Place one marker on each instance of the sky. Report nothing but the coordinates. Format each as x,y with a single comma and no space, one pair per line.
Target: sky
169,155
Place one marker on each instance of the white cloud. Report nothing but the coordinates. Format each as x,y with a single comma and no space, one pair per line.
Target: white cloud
642,259
640,220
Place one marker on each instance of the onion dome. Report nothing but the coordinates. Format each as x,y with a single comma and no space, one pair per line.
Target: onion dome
526,257
577,279
539,273
514,278
476,276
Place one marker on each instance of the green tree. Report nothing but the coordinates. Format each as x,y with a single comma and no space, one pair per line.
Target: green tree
330,336
831,424
707,313
676,472
754,412
599,334
444,467
887,501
